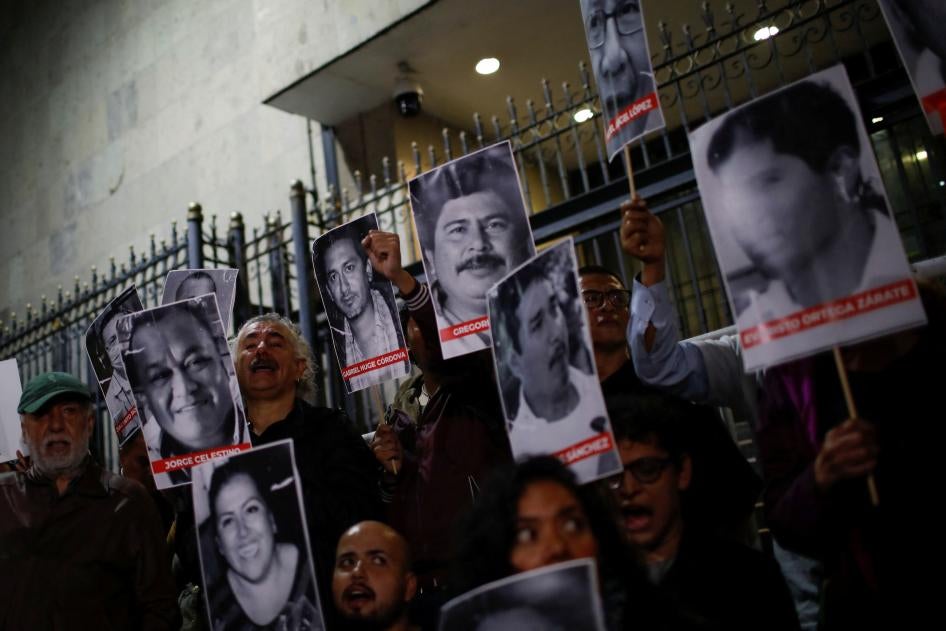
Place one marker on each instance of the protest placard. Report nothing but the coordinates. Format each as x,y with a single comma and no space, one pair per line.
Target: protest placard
549,386
253,542
473,229
185,387
360,307
809,252
620,61
104,351
917,29
10,391
560,597
182,284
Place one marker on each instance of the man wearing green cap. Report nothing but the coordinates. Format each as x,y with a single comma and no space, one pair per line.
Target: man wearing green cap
80,547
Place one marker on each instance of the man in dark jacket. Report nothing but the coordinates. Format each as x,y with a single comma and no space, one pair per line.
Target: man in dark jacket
444,433
717,581
339,476
80,547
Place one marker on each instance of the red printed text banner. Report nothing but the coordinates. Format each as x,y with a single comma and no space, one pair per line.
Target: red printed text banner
186,461
830,312
477,325
375,363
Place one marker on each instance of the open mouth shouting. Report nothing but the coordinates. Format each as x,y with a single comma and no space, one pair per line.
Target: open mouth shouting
264,365
637,518
357,596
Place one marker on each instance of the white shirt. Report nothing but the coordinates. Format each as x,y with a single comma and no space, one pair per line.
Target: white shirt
532,435
386,339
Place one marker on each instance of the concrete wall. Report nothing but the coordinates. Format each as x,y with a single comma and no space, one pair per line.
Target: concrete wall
116,114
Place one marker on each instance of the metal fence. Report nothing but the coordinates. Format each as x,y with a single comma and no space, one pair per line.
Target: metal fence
569,188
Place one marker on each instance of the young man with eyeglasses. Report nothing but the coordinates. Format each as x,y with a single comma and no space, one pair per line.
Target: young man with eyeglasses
606,300
725,584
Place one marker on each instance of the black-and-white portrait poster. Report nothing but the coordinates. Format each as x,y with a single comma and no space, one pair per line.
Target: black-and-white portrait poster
809,251
253,542
104,350
919,29
560,597
360,306
545,366
182,375
182,284
620,60
473,229
10,391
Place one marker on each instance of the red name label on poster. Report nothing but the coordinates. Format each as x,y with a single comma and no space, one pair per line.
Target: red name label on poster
375,363
830,312
192,459
935,103
477,325
593,446
631,113
122,424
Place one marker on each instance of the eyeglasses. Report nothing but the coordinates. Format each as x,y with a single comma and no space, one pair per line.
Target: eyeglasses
619,298
627,17
644,470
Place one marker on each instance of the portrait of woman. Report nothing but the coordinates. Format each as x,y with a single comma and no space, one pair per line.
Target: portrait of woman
253,548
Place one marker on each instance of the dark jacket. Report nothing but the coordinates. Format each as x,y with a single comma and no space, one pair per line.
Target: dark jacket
729,586
450,447
339,478
876,558
93,558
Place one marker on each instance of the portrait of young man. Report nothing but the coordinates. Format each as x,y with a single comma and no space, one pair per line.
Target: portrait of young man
360,305
253,544
802,230
541,343
620,60
917,28
181,372
473,230
104,350
181,284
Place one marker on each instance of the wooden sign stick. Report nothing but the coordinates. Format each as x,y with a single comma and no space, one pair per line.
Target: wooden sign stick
629,170
852,413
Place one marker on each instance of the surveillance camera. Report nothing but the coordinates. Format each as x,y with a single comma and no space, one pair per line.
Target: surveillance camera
407,96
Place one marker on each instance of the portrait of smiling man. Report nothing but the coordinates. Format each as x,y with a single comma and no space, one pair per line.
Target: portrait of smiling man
180,370
558,408
473,230
620,60
361,309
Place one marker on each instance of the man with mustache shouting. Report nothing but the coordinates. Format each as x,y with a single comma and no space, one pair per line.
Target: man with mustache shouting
339,476
80,547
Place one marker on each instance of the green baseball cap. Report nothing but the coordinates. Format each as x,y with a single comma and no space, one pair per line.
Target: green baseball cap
42,388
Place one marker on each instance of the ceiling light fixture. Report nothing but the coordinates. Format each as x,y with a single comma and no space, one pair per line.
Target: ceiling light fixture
764,33
582,115
921,154
877,119
487,65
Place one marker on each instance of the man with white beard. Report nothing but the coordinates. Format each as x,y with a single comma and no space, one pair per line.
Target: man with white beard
80,547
